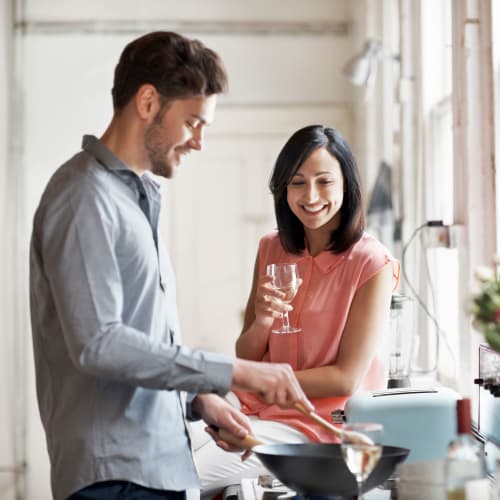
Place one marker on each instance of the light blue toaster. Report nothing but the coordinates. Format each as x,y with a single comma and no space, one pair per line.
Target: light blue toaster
423,420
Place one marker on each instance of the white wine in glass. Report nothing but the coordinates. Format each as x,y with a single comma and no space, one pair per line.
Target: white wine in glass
361,457
286,280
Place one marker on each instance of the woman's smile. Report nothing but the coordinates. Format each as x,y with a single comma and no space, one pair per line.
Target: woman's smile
316,191
315,209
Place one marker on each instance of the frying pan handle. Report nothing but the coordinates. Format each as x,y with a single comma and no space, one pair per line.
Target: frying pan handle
247,443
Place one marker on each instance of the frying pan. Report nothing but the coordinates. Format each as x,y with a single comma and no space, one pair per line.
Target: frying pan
317,469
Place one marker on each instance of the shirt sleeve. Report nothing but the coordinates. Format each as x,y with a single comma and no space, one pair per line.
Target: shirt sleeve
191,414
74,248
372,256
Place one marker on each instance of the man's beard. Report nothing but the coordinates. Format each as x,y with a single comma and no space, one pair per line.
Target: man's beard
158,152
161,167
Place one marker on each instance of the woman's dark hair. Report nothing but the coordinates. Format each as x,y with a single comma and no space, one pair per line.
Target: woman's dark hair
177,66
294,153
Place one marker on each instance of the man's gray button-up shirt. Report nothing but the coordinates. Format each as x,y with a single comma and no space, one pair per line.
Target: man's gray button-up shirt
108,355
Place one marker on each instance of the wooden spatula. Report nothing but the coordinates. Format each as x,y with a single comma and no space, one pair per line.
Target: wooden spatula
355,437
250,441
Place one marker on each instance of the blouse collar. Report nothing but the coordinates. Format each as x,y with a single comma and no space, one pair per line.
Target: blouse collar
326,260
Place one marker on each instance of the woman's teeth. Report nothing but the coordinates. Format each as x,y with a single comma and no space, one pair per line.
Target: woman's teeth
313,210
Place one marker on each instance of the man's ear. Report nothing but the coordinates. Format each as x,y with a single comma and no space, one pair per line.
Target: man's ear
147,101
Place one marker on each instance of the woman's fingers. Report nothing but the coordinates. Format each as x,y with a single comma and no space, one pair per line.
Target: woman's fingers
269,300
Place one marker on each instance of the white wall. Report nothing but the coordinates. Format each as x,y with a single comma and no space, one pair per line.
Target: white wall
284,59
189,11
375,105
8,349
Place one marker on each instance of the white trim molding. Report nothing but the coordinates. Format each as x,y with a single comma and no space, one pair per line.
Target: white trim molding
474,160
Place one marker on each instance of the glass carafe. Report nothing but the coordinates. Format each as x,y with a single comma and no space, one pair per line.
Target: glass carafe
400,341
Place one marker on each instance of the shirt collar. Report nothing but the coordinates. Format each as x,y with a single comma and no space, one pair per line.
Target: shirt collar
325,261
105,156
96,148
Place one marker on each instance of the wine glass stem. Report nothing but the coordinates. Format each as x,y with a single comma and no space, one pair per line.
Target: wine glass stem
360,490
286,321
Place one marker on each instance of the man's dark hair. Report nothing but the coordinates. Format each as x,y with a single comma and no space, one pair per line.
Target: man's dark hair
294,153
177,66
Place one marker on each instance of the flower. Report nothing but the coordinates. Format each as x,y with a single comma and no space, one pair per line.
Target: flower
486,303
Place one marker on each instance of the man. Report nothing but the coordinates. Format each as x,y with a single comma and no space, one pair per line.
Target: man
109,364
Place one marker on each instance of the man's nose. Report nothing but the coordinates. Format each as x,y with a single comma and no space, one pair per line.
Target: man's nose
196,141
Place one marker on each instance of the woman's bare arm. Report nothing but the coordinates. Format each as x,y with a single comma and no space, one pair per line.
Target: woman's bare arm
365,326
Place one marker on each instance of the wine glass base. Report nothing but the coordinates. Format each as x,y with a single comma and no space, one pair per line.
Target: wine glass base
290,329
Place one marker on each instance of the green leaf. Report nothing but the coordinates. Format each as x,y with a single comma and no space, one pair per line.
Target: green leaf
493,338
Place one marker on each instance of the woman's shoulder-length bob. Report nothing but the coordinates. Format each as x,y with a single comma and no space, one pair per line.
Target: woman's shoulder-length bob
294,153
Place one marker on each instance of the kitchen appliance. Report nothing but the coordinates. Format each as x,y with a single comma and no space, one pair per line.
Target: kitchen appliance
400,341
422,420
488,408
488,414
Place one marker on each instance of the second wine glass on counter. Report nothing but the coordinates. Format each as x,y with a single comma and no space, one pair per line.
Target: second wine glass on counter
286,280
361,455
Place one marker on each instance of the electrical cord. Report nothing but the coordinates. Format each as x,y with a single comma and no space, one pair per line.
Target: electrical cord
437,329
418,298
440,332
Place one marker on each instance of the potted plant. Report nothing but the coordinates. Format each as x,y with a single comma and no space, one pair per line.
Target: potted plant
486,303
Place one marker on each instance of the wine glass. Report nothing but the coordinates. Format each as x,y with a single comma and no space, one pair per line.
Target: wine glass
285,279
361,445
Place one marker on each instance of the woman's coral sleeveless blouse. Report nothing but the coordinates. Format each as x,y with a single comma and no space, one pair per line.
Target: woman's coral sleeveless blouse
321,308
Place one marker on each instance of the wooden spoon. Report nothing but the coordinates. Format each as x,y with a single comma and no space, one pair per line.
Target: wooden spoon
354,437
247,443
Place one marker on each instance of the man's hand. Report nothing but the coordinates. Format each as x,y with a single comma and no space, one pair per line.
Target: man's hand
218,413
274,383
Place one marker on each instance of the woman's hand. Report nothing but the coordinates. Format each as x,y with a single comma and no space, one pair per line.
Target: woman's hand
264,305
269,302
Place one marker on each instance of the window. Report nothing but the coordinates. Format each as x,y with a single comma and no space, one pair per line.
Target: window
435,270
455,179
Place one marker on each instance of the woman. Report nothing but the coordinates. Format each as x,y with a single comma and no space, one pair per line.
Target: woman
342,305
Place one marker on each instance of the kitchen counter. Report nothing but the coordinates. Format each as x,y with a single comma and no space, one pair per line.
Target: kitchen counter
249,489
